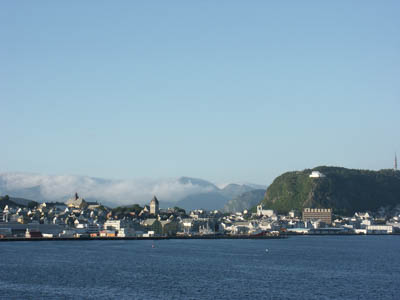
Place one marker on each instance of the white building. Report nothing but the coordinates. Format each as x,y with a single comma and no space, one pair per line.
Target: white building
366,223
126,232
316,174
115,225
380,229
264,212
149,234
362,215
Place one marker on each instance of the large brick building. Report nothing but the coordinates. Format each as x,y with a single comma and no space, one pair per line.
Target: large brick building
314,214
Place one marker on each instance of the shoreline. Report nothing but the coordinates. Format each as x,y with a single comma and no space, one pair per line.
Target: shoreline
217,237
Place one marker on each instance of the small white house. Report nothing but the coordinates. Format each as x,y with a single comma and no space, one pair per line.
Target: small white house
317,174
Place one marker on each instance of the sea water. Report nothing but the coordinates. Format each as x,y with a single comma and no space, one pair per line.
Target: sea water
304,267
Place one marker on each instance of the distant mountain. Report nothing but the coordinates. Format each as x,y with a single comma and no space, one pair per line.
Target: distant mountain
247,200
198,182
346,191
214,199
255,186
210,197
187,192
232,190
206,201
27,193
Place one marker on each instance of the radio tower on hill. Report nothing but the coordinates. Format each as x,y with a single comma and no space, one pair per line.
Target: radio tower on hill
395,161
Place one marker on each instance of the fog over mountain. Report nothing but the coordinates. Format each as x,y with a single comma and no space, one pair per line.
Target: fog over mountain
109,192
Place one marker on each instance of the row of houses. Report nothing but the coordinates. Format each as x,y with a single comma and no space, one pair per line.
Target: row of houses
77,218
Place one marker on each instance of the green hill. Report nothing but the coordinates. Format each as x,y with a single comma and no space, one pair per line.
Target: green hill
16,202
344,190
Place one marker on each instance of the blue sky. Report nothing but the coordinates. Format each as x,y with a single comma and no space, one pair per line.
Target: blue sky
229,91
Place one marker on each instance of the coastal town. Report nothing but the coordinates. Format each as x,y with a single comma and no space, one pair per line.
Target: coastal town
78,218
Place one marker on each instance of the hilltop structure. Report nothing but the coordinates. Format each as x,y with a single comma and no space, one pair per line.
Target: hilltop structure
316,174
76,202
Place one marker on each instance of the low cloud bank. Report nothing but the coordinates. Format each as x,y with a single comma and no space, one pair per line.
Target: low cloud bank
117,192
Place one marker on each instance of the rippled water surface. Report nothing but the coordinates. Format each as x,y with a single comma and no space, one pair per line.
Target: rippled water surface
319,267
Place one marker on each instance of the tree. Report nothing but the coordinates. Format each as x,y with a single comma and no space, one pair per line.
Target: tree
179,210
32,204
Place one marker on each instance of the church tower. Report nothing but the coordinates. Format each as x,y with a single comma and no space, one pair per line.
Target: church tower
154,206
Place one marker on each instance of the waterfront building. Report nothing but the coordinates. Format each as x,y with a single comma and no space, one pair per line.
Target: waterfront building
240,227
169,227
188,225
152,225
92,228
206,230
115,224
126,232
298,230
379,229
107,233
265,225
18,229
154,206
318,214
330,230
30,233
149,234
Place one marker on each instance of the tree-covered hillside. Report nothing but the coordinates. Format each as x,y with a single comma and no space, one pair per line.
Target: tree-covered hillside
244,201
16,202
344,190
